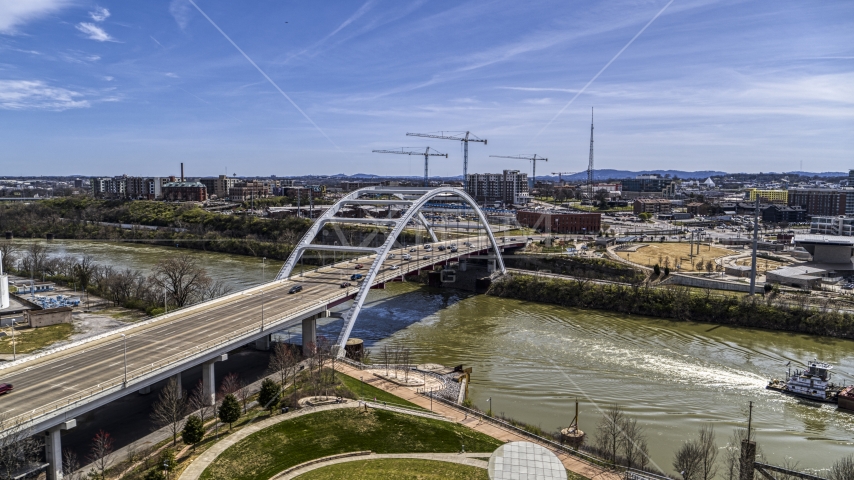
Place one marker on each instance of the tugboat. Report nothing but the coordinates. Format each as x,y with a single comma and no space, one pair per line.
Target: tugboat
813,383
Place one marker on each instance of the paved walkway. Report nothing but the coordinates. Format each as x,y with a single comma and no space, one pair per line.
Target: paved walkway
470,459
571,463
195,469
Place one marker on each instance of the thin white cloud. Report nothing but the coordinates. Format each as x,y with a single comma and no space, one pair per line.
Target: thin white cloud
94,32
99,14
37,95
171,75
109,78
181,11
14,13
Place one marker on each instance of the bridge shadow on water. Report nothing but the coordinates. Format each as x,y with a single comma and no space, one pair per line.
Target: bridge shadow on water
391,310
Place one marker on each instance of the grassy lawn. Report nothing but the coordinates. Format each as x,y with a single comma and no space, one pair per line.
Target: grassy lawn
31,339
369,391
403,468
269,451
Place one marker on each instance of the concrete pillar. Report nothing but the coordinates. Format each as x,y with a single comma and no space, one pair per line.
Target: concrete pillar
208,379
177,378
53,449
263,343
309,332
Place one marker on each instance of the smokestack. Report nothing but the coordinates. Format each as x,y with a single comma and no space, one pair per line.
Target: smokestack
182,171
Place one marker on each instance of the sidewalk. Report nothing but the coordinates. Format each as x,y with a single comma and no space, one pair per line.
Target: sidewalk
571,463
470,459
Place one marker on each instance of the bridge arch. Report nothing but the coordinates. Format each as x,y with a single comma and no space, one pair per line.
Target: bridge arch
416,199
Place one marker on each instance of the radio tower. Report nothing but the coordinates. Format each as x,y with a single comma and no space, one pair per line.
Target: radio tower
590,165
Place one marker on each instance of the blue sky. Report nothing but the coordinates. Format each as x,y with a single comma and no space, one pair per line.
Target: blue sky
112,87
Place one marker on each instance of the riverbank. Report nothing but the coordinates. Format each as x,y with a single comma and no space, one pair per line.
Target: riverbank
676,303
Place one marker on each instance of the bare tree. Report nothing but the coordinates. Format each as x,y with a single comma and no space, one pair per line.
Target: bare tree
281,361
170,408
386,355
843,469
18,448
608,431
84,271
230,384
688,460
36,257
181,277
198,402
99,452
8,250
70,465
211,289
633,444
243,394
709,451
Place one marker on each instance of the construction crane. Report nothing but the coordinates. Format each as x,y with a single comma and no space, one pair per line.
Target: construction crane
561,174
464,137
590,164
426,153
533,158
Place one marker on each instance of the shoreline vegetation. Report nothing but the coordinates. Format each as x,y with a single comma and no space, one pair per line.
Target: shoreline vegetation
677,303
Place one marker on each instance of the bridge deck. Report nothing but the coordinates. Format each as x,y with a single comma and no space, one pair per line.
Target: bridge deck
70,382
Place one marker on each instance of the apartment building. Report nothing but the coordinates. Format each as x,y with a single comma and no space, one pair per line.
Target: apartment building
838,225
508,187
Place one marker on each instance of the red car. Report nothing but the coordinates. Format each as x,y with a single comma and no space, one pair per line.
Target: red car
5,388
359,265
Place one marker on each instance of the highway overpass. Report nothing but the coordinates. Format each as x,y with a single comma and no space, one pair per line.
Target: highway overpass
53,388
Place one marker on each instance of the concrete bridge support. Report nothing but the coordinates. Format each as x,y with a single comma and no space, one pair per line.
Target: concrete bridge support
263,343
309,333
53,448
209,380
177,378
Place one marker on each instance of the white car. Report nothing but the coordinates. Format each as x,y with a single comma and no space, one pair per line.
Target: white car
391,255
394,267
406,256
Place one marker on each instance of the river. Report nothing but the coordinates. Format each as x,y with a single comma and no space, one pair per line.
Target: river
534,360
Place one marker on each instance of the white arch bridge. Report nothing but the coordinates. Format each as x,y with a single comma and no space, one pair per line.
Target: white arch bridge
54,388
410,202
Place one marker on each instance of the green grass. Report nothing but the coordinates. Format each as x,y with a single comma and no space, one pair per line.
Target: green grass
271,450
31,339
403,468
369,391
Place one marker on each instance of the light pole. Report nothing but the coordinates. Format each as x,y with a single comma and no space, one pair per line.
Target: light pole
14,345
125,342
491,413
263,269
262,310
165,307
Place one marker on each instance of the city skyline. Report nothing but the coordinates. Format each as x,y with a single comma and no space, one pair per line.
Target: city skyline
104,88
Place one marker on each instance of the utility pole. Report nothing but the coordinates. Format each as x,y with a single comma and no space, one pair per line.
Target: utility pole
755,244
459,136
426,153
590,163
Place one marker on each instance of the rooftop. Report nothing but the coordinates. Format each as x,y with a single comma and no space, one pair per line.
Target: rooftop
825,239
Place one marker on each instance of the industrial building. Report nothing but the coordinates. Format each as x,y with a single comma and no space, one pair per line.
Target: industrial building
183,191
509,187
560,222
652,185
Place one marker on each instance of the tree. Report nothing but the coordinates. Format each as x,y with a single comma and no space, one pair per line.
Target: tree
243,393
194,430
154,474
170,408
710,267
181,277
709,452
268,394
601,197
282,360
843,469
608,431
230,384
644,216
657,270
99,452
83,271
18,447
687,460
666,271
70,465
229,410
167,460
633,444
198,402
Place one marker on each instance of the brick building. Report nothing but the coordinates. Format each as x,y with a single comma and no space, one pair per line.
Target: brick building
569,222
654,206
244,191
823,201
185,192
219,186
